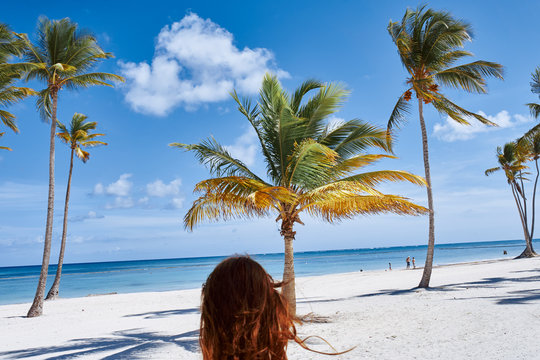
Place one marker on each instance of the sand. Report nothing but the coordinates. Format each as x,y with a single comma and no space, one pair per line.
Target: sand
485,310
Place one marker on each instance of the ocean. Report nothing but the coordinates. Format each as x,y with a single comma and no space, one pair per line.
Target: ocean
18,284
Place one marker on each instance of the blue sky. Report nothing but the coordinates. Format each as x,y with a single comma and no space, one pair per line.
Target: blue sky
181,59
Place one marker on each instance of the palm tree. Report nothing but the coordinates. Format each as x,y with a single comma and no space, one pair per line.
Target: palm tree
511,160
11,47
535,89
64,56
77,136
429,43
310,165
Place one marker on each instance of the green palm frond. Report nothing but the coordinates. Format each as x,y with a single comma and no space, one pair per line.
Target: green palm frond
79,135
470,77
218,160
457,113
308,165
361,138
399,113
491,171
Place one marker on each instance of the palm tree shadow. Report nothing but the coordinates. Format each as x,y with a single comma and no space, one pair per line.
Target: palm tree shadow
165,313
512,297
127,344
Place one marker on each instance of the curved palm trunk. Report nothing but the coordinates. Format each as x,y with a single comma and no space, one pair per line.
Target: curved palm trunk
528,252
53,292
289,289
426,276
37,306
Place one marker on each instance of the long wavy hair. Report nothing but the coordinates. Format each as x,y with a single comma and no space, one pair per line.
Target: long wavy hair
243,316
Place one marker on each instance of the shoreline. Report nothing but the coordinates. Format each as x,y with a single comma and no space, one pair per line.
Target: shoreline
298,277
481,309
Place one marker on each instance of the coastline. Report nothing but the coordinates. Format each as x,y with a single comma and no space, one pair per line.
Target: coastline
480,309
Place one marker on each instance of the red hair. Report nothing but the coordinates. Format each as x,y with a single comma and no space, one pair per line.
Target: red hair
243,316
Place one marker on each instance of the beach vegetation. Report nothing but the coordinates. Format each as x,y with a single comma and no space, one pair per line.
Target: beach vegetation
63,56
429,45
512,160
77,137
534,108
312,165
11,47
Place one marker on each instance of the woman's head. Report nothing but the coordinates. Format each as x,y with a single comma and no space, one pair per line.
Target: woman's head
243,316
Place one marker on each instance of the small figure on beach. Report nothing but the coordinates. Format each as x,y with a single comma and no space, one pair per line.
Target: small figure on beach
389,266
243,316
505,252
408,262
413,263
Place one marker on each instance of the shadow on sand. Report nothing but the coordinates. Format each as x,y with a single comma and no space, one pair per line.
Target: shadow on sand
128,344
165,313
510,297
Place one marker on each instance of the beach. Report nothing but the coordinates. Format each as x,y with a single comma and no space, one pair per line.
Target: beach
480,310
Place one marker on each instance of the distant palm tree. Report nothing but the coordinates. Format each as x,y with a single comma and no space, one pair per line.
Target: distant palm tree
535,89
511,160
11,47
429,43
64,55
310,164
77,136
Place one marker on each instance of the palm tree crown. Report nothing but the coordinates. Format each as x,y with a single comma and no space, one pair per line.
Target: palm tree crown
429,44
10,47
535,89
64,55
78,135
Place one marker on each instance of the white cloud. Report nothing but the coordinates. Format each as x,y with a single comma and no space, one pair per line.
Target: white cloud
177,203
195,62
120,187
90,216
121,203
452,131
159,189
245,147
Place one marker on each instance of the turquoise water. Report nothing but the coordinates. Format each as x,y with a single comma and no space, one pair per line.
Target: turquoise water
18,284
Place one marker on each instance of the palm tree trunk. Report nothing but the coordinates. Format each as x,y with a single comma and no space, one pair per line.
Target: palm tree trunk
37,306
528,252
53,292
426,276
289,289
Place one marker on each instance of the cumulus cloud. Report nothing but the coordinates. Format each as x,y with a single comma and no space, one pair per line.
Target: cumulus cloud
121,203
175,203
195,62
159,189
452,131
120,187
245,147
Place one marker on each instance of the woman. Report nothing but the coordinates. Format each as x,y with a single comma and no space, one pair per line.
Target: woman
243,316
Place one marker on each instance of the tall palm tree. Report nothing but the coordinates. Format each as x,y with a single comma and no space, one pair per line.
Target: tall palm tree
511,159
76,137
65,56
429,43
310,164
11,47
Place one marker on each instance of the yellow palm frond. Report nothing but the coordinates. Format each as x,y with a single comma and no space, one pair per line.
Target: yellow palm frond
345,207
376,177
214,207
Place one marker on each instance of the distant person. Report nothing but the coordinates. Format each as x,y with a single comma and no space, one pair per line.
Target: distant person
389,266
413,263
243,316
505,252
408,262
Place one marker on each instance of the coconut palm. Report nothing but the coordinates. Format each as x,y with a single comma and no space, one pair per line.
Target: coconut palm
311,166
11,47
65,55
76,137
511,159
429,43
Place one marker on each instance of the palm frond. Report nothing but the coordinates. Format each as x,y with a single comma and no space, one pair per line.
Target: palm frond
401,109
218,160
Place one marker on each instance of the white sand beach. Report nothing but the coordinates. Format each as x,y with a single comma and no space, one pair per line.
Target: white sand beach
486,310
